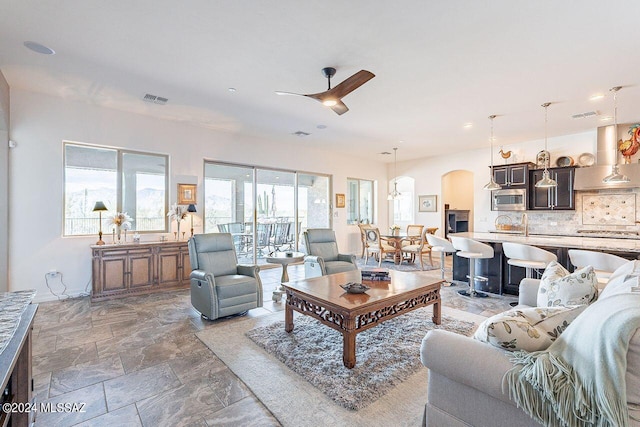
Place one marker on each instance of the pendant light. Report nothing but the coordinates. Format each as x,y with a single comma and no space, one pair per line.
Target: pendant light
615,177
546,181
395,193
492,184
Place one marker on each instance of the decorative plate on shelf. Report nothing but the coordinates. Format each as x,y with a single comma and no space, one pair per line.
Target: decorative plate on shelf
586,159
564,161
543,159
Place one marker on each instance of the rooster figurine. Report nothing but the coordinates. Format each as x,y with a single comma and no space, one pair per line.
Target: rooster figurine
504,155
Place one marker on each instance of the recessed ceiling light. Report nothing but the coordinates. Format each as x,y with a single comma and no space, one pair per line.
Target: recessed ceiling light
606,118
232,89
596,97
467,125
321,126
39,48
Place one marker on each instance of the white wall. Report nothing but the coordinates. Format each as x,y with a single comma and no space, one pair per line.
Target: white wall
428,172
39,123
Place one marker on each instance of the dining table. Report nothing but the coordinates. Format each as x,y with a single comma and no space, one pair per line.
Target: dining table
396,239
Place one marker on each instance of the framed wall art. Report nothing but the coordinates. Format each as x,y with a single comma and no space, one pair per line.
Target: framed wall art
340,200
187,194
428,203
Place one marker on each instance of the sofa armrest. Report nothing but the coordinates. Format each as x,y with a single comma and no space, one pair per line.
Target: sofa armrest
528,292
248,270
348,258
466,361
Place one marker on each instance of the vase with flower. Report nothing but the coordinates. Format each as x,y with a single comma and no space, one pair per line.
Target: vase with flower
395,230
119,221
177,213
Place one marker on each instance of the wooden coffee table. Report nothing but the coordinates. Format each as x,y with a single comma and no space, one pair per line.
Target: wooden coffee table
322,298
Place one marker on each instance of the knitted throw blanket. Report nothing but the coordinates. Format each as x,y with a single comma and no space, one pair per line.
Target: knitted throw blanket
580,379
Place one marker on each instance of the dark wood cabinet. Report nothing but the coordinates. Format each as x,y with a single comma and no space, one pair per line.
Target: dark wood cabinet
514,175
554,198
139,268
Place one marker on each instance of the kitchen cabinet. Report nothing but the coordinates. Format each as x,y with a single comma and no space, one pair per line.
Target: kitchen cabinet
512,176
139,268
554,198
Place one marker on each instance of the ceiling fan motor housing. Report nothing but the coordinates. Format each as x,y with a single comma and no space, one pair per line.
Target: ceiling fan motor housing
329,72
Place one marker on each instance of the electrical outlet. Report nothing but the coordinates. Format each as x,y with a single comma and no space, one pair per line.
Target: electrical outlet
553,223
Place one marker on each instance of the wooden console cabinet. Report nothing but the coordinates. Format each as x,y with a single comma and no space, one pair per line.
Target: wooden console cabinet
139,268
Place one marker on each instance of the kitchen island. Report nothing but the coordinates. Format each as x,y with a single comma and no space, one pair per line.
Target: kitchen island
504,278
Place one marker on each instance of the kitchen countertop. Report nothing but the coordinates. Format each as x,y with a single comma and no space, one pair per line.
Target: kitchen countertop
575,242
12,304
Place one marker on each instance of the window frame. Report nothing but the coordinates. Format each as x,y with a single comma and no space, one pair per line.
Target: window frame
120,152
357,197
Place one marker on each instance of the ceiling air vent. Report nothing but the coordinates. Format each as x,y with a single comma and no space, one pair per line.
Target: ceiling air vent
585,115
155,99
301,133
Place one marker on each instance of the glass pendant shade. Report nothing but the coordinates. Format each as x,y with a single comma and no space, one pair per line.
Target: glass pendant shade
546,181
615,177
492,184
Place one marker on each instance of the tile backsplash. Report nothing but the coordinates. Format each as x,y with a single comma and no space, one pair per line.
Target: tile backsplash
603,210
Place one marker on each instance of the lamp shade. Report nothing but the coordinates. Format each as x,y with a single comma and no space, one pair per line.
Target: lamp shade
99,206
191,208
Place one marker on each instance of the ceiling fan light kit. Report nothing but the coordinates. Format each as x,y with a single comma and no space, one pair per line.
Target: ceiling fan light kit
332,97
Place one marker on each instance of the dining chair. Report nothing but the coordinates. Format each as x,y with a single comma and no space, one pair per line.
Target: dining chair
414,233
377,246
363,237
418,250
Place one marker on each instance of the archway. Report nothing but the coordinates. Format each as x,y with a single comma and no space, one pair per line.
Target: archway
457,193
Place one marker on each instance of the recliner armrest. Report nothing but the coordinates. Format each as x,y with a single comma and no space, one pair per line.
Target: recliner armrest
203,276
348,258
313,258
249,270
466,361
528,292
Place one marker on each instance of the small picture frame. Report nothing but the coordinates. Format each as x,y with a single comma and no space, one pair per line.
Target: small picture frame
428,203
187,194
340,200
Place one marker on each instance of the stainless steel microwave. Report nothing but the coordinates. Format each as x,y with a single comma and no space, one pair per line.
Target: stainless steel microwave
509,200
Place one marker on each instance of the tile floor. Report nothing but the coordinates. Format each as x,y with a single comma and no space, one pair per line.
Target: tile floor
137,362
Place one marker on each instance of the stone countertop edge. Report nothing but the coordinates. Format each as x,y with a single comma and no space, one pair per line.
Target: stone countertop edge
573,242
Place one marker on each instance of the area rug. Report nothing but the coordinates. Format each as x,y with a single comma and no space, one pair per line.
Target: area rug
386,354
372,263
294,401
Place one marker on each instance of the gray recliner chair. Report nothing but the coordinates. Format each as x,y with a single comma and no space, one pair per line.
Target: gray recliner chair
219,286
323,253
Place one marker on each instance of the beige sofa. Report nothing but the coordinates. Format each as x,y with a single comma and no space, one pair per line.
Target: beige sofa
465,375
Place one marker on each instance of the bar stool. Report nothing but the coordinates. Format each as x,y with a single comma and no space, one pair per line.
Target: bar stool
529,257
473,250
603,264
438,244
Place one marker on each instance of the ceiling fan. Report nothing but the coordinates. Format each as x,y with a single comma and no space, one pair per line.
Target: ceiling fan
332,97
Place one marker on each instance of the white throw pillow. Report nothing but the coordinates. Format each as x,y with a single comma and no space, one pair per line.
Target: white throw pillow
622,280
559,287
528,329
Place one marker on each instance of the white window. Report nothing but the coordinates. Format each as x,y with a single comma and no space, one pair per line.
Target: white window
359,201
125,181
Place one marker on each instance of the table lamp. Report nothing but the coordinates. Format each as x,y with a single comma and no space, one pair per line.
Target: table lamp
99,207
191,208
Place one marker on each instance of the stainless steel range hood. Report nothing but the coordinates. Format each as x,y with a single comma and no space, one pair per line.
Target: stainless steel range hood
590,178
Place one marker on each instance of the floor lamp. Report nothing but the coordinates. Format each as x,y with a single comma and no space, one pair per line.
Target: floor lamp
99,207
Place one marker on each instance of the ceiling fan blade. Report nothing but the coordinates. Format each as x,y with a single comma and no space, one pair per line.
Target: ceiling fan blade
340,108
349,85
279,92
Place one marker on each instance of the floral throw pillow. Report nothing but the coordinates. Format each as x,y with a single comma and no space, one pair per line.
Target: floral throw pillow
558,287
528,329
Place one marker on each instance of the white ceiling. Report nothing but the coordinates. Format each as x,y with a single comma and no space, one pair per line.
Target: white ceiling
438,65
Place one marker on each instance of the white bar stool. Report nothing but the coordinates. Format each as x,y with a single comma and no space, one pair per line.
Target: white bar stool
438,244
603,264
473,250
526,256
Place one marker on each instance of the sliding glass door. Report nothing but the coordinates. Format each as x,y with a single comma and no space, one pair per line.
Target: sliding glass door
270,218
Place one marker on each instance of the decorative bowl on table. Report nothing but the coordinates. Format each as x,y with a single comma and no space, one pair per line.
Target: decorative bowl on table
355,288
